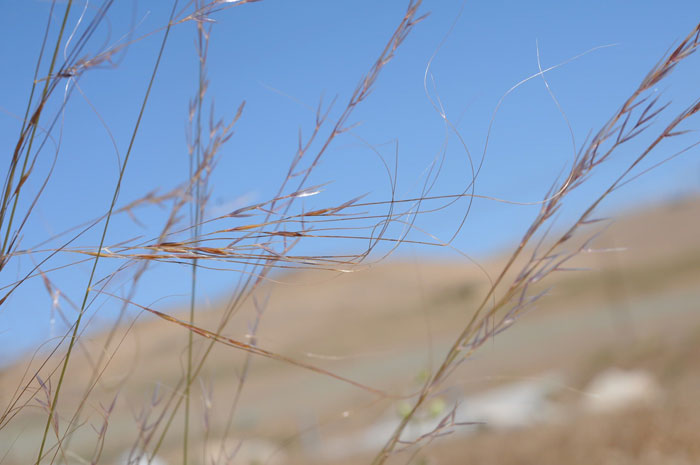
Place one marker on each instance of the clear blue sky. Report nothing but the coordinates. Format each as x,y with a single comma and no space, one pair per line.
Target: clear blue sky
281,57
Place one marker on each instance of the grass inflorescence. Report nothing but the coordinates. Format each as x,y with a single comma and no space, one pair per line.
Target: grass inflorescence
259,241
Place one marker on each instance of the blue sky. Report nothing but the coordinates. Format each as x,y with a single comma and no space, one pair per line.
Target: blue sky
282,57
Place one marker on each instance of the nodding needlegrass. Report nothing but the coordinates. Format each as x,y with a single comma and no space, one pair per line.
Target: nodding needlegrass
495,314
260,239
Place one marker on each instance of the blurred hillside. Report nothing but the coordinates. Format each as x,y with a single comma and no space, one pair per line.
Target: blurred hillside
634,310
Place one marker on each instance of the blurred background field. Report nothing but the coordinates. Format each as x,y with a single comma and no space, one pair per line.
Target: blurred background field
635,311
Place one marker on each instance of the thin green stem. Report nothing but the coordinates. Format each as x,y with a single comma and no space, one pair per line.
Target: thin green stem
88,288
33,122
196,219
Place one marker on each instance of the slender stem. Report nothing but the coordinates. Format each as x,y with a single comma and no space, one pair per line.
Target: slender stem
197,220
88,288
34,121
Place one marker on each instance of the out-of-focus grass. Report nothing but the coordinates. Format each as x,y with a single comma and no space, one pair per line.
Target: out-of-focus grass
334,358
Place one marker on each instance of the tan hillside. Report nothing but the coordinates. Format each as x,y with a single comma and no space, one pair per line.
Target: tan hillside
385,325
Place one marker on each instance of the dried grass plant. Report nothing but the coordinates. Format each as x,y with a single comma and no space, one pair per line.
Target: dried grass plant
265,237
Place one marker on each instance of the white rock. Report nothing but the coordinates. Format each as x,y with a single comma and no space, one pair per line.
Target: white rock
616,389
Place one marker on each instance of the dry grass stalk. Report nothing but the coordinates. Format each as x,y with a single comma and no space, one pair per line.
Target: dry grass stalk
265,239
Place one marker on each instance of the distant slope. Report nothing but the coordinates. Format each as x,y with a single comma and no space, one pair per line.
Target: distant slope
382,326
